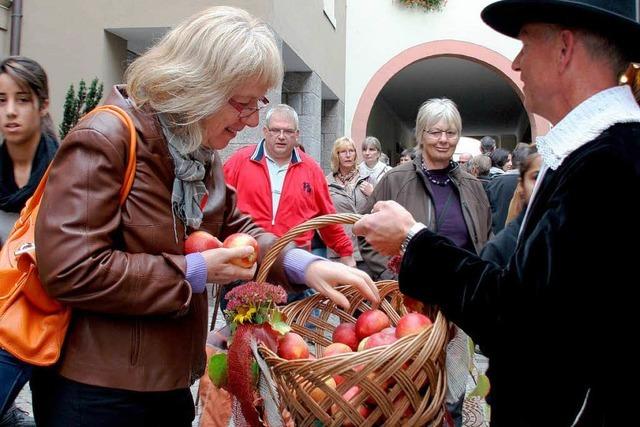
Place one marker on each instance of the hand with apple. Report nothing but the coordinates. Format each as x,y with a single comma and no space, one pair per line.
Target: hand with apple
235,259
324,276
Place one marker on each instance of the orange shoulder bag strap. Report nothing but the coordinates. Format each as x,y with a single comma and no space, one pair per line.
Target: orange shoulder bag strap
130,172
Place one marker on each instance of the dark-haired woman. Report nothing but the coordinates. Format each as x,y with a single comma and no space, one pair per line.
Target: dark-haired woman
28,145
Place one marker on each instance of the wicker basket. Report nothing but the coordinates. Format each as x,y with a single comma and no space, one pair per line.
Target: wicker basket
400,384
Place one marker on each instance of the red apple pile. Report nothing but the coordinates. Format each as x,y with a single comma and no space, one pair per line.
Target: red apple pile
372,329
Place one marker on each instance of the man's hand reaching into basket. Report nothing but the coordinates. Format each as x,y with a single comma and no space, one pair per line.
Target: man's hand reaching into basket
324,276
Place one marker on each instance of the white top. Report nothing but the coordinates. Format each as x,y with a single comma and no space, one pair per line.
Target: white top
276,176
373,174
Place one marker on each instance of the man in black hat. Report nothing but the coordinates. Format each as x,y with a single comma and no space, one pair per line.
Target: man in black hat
556,323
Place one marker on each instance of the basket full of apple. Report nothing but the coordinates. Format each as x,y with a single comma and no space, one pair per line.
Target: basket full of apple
365,366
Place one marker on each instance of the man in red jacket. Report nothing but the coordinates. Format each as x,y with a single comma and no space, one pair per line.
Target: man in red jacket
280,186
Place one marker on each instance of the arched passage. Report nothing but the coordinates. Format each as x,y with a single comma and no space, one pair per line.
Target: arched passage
441,48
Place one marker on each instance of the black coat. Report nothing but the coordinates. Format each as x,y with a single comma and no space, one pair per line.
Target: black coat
558,323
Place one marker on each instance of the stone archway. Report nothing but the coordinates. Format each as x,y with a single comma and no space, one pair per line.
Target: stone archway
451,48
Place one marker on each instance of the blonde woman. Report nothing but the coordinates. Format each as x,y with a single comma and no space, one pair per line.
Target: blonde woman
348,189
137,341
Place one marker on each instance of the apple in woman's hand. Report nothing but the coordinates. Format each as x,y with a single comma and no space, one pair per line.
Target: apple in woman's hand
239,240
200,241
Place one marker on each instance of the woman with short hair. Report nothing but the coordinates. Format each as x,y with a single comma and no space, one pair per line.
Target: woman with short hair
372,167
137,339
446,199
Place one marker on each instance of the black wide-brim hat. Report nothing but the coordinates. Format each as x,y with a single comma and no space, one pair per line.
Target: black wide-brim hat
612,18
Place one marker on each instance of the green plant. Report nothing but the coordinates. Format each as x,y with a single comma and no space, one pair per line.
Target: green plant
77,105
427,5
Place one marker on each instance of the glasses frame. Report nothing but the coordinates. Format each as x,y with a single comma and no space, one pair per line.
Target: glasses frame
244,111
288,133
432,134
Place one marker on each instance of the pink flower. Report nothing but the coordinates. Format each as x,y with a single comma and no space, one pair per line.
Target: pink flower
255,294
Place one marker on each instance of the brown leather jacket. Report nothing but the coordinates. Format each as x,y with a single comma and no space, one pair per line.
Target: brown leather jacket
406,185
136,325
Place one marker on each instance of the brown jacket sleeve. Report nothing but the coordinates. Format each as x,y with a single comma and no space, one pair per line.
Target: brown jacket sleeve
82,258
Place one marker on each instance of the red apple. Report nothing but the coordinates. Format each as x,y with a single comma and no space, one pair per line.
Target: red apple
346,334
389,331
379,339
293,346
336,348
200,241
370,322
412,323
350,395
318,394
362,343
242,239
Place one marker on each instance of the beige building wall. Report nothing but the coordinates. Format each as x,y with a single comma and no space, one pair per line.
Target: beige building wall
74,39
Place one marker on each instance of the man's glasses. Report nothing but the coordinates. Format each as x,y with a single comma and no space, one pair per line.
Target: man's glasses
245,111
286,132
437,134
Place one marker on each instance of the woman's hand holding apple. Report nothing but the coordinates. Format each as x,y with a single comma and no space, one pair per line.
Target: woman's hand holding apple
221,268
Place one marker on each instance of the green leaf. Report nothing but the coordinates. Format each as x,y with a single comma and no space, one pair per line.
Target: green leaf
482,388
219,369
278,324
280,327
255,371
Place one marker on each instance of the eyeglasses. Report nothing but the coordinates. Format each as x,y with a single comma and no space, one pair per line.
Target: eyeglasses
245,111
288,133
437,134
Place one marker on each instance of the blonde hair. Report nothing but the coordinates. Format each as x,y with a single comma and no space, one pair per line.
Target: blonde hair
434,110
193,71
340,143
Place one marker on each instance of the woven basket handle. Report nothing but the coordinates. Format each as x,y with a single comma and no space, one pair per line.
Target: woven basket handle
312,224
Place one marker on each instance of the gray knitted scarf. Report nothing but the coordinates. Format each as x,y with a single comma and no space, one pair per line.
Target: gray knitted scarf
188,185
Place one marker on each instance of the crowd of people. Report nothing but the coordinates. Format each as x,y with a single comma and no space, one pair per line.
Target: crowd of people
503,242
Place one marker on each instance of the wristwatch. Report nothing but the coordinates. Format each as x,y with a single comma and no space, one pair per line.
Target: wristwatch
412,232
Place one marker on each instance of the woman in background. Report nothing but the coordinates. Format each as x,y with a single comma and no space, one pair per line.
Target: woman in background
446,199
347,188
372,168
29,143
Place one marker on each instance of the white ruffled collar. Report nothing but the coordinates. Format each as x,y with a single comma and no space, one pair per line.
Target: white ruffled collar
586,122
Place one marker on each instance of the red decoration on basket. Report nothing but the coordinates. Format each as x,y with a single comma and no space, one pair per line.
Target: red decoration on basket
253,315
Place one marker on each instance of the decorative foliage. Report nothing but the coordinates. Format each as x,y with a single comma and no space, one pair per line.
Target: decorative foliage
256,303
76,106
254,317
427,5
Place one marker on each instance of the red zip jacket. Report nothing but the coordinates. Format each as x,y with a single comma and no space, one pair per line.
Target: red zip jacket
305,195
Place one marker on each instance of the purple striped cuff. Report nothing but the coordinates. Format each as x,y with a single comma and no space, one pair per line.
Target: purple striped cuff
196,272
296,262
